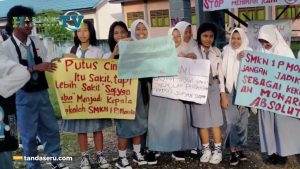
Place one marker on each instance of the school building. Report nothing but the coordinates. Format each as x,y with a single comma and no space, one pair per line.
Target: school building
158,14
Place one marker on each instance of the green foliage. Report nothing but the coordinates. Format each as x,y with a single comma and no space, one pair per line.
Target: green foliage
49,26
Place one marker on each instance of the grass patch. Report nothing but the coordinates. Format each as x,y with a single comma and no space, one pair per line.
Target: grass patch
69,144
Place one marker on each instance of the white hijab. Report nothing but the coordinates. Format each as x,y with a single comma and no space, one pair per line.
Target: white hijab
185,47
178,49
133,28
231,63
279,46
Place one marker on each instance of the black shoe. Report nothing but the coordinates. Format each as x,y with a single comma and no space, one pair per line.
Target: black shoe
241,156
195,154
59,166
139,158
281,160
151,158
234,160
122,163
178,155
272,159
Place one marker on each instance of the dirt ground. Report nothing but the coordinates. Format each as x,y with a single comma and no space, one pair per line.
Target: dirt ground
255,157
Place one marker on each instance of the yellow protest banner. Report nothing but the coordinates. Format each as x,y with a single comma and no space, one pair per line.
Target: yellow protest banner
90,88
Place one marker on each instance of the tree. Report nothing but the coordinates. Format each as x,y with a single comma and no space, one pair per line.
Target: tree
48,25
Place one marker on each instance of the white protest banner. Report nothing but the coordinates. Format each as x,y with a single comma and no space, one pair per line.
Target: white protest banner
152,57
191,84
212,5
283,26
269,82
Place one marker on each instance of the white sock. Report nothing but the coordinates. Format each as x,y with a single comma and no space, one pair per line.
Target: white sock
84,153
99,153
205,146
137,148
218,146
122,153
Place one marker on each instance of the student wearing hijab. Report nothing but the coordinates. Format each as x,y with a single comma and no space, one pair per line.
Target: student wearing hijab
85,47
136,128
185,50
188,43
236,116
169,123
209,115
276,137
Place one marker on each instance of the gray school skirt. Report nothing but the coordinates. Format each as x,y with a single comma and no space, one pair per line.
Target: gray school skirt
85,125
210,114
237,124
169,125
138,126
279,134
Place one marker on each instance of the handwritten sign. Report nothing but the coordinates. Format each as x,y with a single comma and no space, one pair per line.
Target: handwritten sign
270,82
283,26
151,57
212,5
90,88
191,84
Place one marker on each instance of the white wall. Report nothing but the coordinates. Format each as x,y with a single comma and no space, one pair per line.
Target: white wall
105,15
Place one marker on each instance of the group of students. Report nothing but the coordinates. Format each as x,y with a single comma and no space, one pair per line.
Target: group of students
161,124
167,125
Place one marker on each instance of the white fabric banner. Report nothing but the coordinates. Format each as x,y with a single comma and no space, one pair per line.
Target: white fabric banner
212,5
191,84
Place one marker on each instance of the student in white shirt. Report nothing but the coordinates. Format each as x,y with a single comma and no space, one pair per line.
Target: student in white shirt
12,77
85,41
209,116
34,110
278,133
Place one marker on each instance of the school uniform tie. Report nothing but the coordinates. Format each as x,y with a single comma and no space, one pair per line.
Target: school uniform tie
83,51
30,61
210,72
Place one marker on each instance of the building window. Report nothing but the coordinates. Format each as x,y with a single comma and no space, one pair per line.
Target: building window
132,16
256,13
194,20
40,29
290,13
226,18
160,18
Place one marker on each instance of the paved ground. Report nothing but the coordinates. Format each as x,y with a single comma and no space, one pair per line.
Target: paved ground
255,160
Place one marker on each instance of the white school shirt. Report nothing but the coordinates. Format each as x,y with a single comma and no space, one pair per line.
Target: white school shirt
91,53
215,62
11,51
106,55
13,76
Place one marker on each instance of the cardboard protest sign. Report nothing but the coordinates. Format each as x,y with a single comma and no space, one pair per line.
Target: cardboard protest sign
191,84
269,82
150,57
90,88
283,26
